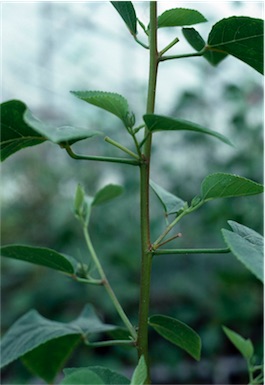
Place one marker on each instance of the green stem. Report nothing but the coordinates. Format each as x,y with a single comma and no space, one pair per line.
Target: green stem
110,343
172,57
90,281
121,147
191,251
170,45
141,43
107,286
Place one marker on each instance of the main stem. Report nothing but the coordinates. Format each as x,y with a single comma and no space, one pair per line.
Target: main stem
146,262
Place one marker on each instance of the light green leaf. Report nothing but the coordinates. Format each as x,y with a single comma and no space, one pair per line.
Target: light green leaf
197,42
178,17
32,330
106,194
247,246
82,376
241,37
108,101
177,333
171,203
127,12
244,346
40,256
163,123
140,373
221,185
105,375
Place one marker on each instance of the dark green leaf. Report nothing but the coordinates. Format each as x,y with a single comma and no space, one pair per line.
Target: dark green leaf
220,185
170,202
140,373
178,17
177,333
247,246
15,133
105,375
244,346
40,256
198,43
32,330
241,37
106,194
164,123
127,12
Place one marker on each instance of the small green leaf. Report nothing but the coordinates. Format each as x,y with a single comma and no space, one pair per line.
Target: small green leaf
244,346
177,333
79,200
178,17
241,37
106,194
140,373
127,12
83,376
171,203
247,246
164,123
220,185
197,42
40,256
108,101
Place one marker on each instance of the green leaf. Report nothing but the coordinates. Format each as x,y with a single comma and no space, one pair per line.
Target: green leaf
244,346
140,373
170,202
32,330
241,37
84,376
108,101
164,123
127,12
59,135
177,333
247,246
40,256
178,17
106,194
197,42
15,133
220,185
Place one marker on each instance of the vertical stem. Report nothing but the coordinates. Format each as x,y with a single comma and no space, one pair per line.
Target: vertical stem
146,263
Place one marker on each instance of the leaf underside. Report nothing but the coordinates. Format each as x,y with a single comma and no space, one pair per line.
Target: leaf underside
127,12
140,373
93,375
171,203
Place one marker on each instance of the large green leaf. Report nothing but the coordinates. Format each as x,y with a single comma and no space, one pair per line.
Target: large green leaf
140,373
221,185
178,17
244,346
32,330
40,256
247,245
93,375
197,42
241,37
164,123
106,194
109,101
127,12
171,203
15,133
177,333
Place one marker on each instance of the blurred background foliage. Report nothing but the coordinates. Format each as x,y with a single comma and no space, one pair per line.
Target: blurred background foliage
39,183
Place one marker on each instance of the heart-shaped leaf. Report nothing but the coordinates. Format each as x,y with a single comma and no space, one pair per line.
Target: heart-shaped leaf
241,37
140,373
93,375
177,333
171,203
247,246
178,17
244,346
157,123
127,12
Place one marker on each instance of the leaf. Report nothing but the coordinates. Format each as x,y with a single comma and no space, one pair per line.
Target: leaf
247,246
106,194
164,123
140,373
109,101
84,376
15,133
127,12
178,17
177,333
40,256
244,346
61,135
197,42
171,203
32,330
221,185
241,37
